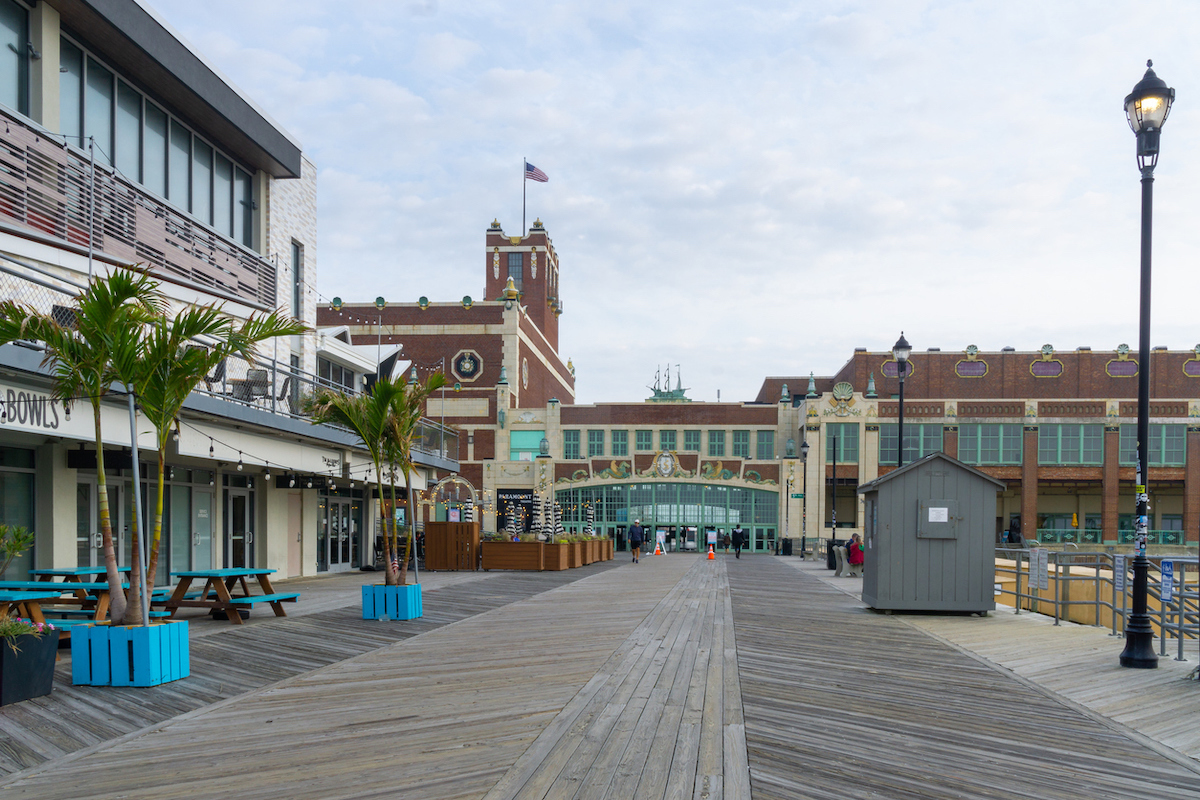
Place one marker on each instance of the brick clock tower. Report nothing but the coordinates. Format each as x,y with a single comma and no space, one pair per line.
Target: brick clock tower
533,265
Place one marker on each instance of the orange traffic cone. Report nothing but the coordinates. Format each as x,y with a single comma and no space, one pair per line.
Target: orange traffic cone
711,555
658,548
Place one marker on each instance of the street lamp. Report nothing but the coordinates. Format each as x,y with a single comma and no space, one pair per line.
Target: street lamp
830,555
900,351
1146,107
803,495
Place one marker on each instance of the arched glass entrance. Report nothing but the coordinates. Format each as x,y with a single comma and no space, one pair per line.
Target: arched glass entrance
684,512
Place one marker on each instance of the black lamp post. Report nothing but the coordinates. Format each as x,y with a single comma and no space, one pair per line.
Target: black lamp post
1146,107
900,351
804,494
830,555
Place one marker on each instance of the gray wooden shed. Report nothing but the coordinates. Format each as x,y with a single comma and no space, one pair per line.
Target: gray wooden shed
930,532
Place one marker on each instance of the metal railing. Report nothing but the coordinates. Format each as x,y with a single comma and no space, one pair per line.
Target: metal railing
49,188
1098,536
1104,583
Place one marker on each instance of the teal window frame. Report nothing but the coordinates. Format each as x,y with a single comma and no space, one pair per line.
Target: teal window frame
570,445
920,439
620,443
991,443
691,441
1168,445
847,434
716,444
1071,444
667,440
643,441
741,444
765,446
525,445
595,443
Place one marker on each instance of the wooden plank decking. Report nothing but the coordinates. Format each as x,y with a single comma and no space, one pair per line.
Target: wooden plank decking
675,678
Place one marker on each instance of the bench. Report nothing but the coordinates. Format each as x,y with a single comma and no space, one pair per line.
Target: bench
266,598
89,613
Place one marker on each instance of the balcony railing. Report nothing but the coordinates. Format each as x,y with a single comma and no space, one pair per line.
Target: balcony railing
267,384
45,187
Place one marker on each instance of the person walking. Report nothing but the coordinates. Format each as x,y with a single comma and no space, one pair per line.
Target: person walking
637,535
739,538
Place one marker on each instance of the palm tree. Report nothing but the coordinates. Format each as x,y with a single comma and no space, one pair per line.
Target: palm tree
407,409
368,416
109,314
166,366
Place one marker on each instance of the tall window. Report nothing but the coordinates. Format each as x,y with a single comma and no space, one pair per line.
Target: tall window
595,443
145,143
1071,443
620,443
335,375
1168,445
716,444
524,445
919,441
516,268
571,445
766,446
644,440
691,441
14,56
845,435
990,443
741,444
666,440
297,280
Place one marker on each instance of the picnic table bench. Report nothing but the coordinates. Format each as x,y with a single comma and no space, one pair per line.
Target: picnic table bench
216,595
89,595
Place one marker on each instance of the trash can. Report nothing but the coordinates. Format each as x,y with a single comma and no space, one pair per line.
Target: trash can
830,555
787,547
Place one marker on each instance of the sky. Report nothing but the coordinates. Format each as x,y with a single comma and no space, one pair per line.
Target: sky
742,189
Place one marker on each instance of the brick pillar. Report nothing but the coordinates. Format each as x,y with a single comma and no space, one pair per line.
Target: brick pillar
1111,483
950,441
1191,488
1029,483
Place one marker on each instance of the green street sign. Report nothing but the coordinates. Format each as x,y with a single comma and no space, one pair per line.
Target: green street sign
798,496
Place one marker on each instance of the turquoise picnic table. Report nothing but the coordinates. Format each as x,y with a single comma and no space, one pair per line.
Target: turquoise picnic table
26,603
216,595
71,574
90,596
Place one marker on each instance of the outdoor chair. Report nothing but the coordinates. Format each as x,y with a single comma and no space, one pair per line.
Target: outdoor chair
218,376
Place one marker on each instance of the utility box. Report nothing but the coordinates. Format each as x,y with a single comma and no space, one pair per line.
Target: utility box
930,531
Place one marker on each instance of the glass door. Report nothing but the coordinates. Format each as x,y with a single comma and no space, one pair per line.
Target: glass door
239,533
323,535
87,528
202,529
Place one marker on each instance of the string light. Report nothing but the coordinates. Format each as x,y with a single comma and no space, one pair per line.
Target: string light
211,451
240,465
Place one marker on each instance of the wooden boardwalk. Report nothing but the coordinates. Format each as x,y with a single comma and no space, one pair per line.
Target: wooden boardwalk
841,702
675,678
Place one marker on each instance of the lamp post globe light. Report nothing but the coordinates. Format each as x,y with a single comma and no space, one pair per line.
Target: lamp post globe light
900,351
1146,108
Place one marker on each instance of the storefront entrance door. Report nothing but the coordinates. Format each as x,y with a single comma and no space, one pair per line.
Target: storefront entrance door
239,531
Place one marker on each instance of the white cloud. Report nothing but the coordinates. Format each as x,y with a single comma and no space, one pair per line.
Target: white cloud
745,191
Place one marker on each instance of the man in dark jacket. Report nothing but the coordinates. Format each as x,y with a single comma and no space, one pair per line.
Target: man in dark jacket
739,538
637,535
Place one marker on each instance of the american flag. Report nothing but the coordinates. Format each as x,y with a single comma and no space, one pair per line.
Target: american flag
532,173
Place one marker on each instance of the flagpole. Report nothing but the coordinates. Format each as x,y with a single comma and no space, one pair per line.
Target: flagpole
524,167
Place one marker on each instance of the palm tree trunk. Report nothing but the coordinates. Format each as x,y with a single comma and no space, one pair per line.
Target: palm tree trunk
395,536
116,608
152,566
412,526
389,577
133,608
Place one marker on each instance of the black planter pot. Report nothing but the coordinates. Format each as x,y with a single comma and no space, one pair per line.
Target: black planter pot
30,671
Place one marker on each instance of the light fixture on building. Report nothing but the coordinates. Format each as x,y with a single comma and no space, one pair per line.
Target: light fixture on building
310,482
240,465
267,473
174,433
291,481
67,410
211,451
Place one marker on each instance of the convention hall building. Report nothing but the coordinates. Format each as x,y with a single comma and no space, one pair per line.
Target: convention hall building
1056,427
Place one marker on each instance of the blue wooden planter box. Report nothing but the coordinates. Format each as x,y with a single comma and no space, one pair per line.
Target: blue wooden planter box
393,602
117,655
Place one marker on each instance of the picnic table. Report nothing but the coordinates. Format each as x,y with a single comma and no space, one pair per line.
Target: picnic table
26,603
216,595
71,574
88,595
